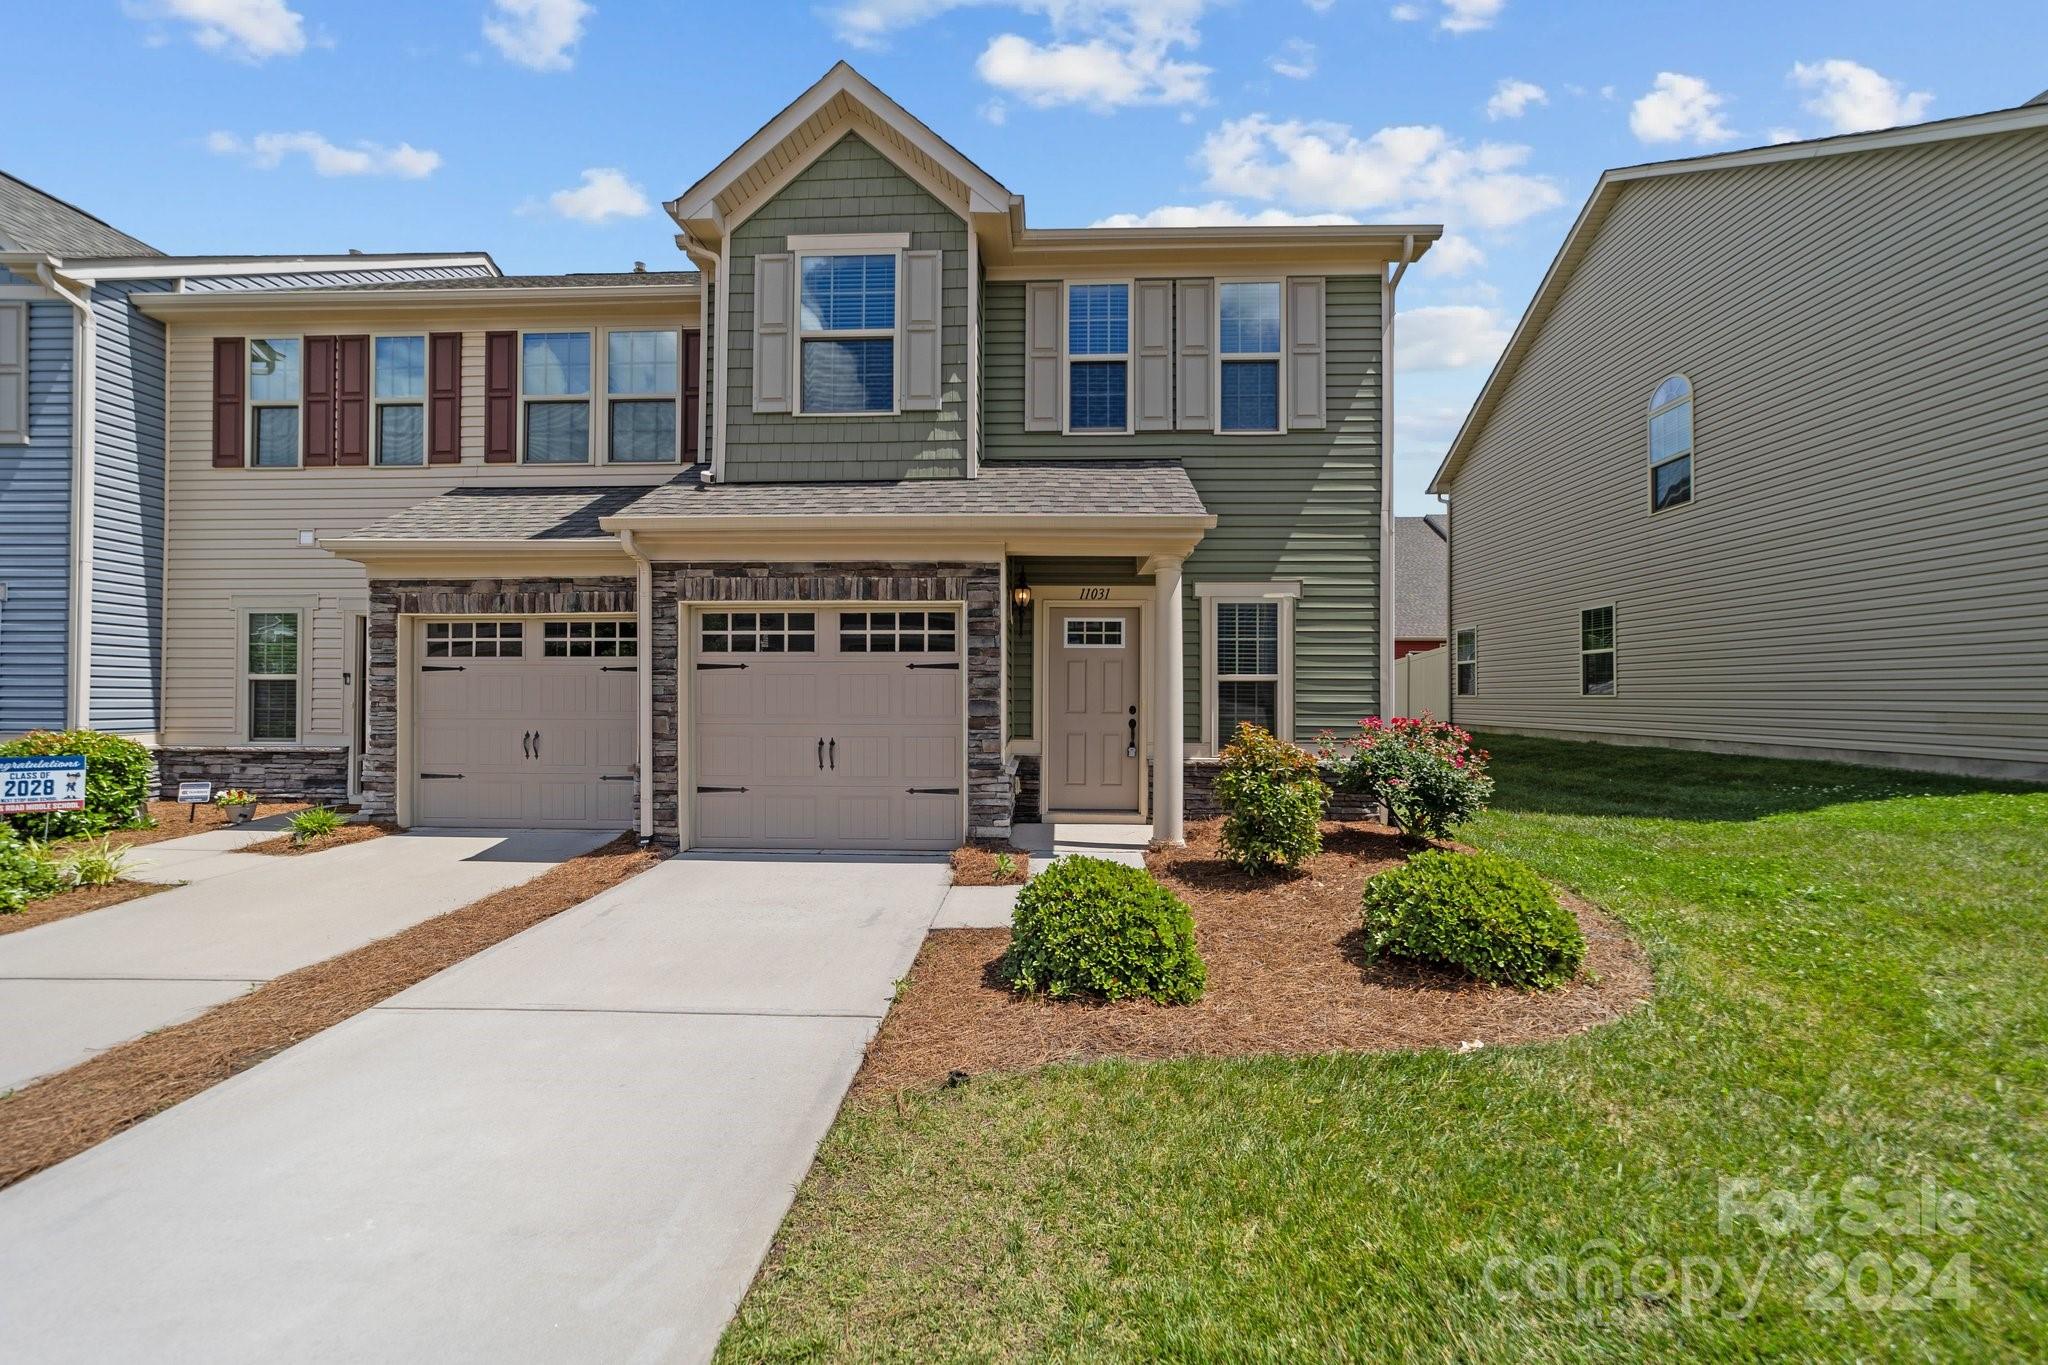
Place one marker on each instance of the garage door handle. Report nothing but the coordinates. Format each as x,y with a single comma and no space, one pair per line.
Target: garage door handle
954,665
536,744
526,743
441,777
821,755
832,752
931,791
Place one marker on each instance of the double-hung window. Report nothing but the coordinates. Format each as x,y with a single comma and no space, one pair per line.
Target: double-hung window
275,369
398,394
1248,355
846,325
641,397
1098,357
1596,652
1671,444
271,674
554,384
1468,663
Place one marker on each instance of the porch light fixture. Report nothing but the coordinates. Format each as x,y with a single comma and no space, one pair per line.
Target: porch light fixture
1020,598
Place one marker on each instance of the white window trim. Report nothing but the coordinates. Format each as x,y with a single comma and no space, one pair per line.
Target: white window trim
423,402
244,608
589,398
1613,650
1067,625
603,437
1285,593
1691,455
1280,357
1068,360
252,403
1457,643
896,244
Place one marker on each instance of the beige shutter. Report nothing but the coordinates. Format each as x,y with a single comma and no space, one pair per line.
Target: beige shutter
1152,391
13,372
923,277
1042,357
1305,370
774,319
1195,387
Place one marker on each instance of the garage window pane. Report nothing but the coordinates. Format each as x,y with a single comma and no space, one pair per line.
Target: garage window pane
475,639
595,640
897,632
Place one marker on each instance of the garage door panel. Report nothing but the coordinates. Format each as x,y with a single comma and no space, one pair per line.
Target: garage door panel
928,759
930,821
468,800
786,697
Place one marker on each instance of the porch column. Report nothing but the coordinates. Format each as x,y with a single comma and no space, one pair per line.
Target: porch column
1169,706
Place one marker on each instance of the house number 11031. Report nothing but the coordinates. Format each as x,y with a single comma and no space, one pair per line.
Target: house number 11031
1094,594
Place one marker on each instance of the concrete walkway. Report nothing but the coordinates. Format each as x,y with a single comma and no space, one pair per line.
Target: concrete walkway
78,986
575,1146
990,907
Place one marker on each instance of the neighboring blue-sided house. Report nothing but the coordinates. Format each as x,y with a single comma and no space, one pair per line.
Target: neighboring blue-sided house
82,540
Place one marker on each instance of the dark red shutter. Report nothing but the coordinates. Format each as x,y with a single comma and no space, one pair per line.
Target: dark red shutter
501,397
352,400
230,369
444,398
318,397
693,391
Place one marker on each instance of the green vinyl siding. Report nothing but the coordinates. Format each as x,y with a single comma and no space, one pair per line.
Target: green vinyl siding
850,188
1304,505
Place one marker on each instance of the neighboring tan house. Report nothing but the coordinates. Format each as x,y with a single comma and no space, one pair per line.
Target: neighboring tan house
1762,468
891,509
82,542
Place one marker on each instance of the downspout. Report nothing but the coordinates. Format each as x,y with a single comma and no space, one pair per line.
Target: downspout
84,378
1389,283
643,611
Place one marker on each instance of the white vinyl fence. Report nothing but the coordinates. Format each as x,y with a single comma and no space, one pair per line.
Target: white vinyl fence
1422,682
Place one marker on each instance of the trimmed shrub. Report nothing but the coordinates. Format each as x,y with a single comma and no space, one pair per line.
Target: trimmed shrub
316,822
1088,926
1485,914
118,775
1427,774
28,871
1272,800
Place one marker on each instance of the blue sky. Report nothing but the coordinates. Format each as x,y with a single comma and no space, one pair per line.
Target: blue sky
548,131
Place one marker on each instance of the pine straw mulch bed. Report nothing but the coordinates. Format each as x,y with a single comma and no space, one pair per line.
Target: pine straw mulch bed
1288,974
76,901
60,1116
171,823
283,845
975,865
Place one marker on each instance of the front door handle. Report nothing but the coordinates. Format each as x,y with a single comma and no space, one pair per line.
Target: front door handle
526,743
1132,751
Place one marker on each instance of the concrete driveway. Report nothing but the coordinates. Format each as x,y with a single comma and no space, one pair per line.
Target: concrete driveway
75,987
575,1146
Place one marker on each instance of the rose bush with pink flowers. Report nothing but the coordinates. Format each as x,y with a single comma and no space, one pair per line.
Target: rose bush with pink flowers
1426,773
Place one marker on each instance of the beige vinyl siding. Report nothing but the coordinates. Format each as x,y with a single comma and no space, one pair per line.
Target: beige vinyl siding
234,532
1303,505
1860,570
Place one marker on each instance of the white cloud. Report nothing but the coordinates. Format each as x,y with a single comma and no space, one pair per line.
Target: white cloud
1319,6
1407,14
1456,16
1451,336
1452,256
1855,99
537,33
251,30
267,151
1429,425
605,194
1677,108
1295,60
996,112
868,23
1512,98
1779,136
1324,167
1219,213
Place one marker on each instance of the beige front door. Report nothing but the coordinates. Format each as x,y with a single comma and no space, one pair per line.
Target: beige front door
524,723
827,728
1090,763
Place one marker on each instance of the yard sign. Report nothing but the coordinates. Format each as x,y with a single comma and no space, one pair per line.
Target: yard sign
42,784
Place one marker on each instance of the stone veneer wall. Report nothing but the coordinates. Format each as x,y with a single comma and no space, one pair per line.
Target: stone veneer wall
977,585
316,772
391,599
1198,799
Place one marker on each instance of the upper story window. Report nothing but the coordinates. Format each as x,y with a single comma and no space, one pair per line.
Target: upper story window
554,391
275,372
1671,444
1248,355
398,392
846,321
1098,357
641,397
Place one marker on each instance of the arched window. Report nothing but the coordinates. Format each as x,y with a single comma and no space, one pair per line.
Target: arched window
1671,444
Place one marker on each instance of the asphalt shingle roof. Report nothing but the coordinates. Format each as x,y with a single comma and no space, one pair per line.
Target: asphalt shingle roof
621,279
1422,583
36,221
1034,488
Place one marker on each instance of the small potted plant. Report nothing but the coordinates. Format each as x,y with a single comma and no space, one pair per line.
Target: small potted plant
240,805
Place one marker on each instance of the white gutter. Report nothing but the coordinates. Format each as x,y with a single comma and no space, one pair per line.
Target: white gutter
643,610
84,374
1390,282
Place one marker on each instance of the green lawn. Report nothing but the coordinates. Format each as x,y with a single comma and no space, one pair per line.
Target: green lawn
1852,972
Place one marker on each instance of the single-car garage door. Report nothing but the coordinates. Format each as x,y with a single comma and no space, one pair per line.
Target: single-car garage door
525,723
827,728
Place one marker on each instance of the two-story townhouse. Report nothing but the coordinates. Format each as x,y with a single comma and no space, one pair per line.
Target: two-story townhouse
1761,469
82,438
892,510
